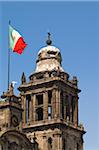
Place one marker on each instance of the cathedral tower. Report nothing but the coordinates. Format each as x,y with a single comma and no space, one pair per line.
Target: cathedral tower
50,103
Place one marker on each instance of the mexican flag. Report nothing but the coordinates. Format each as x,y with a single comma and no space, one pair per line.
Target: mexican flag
16,42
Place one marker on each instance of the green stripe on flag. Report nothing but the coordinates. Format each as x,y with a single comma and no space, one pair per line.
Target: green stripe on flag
11,40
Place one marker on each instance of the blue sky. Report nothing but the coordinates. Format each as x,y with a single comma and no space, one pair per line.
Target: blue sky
75,31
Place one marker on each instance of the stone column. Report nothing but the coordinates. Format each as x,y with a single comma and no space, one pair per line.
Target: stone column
76,112
34,107
81,144
45,105
24,109
81,147
57,142
58,103
67,106
64,97
45,143
31,109
70,104
61,104
53,103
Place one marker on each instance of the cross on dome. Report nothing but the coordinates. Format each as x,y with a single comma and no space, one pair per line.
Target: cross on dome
49,42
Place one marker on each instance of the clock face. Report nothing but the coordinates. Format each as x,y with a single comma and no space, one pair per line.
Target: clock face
14,121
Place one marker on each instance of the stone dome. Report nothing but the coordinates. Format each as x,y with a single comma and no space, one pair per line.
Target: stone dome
49,58
48,48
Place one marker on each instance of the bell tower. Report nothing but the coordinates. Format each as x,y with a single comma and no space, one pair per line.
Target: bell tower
50,103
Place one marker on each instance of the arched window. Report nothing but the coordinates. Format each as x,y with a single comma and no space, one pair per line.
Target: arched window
49,143
39,114
28,99
67,107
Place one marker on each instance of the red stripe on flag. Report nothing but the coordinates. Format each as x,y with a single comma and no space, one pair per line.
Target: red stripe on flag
19,46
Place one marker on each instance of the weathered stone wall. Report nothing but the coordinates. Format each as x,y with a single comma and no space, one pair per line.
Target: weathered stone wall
4,118
72,138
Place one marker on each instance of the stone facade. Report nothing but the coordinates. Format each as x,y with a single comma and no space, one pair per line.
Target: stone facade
45,114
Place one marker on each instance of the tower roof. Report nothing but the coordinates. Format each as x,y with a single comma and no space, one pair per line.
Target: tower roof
48,48
49,58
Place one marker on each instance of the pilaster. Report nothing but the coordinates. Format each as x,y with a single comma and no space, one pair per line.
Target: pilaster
53,103
34,107
76,112
70,104
57,143
24,109
45,108
31,109
45,143
58,112
64,98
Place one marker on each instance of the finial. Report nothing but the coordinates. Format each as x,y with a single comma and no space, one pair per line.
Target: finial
11,88
49,42
23,78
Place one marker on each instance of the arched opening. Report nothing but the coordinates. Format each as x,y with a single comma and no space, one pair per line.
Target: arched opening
39,114
67,108
49,143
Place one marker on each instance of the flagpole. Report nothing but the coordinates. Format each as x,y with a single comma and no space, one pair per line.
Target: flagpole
8,57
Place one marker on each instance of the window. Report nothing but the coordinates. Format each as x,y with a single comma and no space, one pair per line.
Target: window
40,76
49,96
73,107
39,99
39,114
67,107
59,57
39,110
49,112
52,52
50,74
28,99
